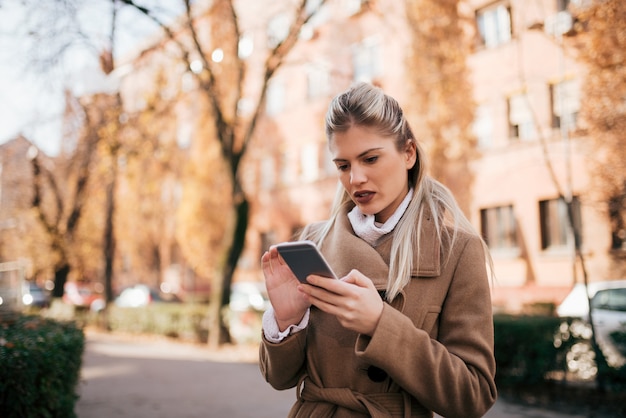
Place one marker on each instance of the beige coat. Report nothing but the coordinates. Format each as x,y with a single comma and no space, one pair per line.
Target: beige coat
431,351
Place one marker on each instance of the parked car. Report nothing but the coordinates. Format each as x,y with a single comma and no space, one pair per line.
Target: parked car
142,295
33,295
248,296
82,296
248,301
608,312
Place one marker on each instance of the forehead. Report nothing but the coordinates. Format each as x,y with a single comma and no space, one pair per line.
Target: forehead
358,138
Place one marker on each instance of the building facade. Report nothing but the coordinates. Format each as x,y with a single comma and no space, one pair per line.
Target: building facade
533,155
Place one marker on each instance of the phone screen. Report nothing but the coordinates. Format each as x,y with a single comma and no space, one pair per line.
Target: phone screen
304,259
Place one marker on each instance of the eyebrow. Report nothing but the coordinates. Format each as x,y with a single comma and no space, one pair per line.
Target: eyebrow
360,155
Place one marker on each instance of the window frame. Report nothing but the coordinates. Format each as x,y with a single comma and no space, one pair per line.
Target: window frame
522,128
564,96
367,62
503,29
554,228
498,226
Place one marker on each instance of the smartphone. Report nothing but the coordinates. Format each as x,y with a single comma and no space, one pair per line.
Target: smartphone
303,258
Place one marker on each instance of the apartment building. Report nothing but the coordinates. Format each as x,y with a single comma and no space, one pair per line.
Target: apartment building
527,89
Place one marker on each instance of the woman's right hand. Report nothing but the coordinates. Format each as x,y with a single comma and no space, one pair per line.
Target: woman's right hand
289,304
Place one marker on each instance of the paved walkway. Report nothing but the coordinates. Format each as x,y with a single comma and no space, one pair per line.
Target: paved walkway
125,376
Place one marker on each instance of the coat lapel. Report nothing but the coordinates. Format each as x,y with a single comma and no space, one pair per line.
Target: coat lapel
345,251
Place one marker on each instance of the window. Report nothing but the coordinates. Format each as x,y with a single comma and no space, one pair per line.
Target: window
521,124
366,60
329,167
554,222
289,167
562,5
494,25
309,162
268,173
317,81
498,227
610,299
275,100
565,97
483,126
617,217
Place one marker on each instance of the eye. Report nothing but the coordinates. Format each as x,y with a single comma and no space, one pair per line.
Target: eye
372,159
342,167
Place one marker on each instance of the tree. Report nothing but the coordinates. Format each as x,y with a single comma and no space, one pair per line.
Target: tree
21,235
224,86
148,192
442,92
602,29
60,192
205,39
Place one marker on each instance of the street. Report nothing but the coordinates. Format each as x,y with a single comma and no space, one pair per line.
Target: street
143,377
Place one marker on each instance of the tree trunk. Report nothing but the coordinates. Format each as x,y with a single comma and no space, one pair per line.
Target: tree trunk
218,332
60,278
109,235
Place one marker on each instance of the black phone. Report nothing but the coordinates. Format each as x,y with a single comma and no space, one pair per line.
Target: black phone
303,258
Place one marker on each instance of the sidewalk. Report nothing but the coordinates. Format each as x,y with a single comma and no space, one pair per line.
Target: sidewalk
142,377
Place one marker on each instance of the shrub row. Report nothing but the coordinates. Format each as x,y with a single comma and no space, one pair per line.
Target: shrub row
538,349
40,362
175,320
183,321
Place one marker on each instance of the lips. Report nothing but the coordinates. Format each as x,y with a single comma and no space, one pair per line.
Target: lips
362,197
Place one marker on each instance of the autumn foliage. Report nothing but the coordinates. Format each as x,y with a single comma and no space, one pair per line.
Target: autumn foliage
601,30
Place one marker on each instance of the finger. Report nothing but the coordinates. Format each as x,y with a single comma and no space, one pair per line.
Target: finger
273,250
266,262
359,279
331,285
322,297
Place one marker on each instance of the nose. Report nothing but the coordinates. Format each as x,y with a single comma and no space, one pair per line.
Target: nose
357,175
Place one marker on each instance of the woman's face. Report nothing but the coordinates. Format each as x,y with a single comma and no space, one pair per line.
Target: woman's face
372,170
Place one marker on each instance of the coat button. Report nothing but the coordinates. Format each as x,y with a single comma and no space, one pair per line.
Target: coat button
376,374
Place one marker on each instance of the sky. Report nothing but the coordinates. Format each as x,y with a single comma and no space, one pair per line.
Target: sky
31,102
27,105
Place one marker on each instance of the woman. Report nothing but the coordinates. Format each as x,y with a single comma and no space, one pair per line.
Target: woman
408,329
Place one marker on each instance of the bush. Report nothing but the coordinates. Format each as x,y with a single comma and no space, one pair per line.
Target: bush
525,349
182,321
548,362
40,362
176,320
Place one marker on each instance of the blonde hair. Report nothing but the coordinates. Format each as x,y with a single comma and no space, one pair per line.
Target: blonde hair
366,105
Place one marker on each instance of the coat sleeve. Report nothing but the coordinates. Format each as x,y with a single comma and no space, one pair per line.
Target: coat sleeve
452,375
282,364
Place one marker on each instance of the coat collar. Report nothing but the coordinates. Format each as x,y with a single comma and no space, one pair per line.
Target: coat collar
345,251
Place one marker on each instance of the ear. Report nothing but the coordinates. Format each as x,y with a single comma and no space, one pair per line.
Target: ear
410,154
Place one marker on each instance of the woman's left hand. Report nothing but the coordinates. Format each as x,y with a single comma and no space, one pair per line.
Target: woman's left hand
353,300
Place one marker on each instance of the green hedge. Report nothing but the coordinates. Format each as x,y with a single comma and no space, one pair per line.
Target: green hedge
183,321
536,349
40,362
176,320
525,348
